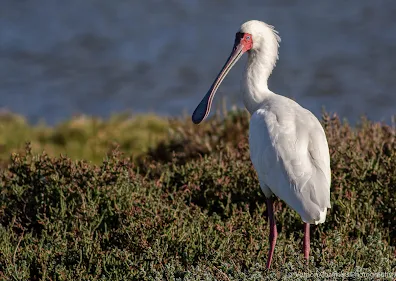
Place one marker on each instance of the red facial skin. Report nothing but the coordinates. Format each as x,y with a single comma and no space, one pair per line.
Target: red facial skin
245,39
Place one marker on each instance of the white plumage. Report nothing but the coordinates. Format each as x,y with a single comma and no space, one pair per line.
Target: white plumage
290,154
288,145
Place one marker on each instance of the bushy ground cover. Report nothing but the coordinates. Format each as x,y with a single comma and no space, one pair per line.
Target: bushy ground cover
83,137
175,201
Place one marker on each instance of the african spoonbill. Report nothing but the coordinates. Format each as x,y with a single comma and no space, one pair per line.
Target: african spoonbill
288,146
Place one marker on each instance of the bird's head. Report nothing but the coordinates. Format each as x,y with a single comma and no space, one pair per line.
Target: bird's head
252,36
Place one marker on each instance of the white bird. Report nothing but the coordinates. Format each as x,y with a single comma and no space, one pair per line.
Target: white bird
288,146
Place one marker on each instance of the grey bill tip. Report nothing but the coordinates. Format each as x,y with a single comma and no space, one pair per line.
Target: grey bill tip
201,111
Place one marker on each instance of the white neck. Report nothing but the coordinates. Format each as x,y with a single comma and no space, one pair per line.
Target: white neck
259,67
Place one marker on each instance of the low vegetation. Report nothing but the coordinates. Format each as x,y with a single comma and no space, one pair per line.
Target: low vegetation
83,137
151,199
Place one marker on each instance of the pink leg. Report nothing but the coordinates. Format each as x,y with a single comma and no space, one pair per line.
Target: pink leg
306,243
273,232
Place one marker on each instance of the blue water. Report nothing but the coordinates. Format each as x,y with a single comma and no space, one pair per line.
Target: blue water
59,58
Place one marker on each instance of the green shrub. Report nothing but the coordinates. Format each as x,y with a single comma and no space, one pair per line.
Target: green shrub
83,137
191,209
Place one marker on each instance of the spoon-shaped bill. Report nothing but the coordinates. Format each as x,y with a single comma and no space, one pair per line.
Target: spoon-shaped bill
203,108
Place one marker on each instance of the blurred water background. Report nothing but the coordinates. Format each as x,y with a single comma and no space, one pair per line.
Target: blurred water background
98,57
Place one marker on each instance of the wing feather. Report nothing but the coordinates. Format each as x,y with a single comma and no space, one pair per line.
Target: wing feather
290,154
